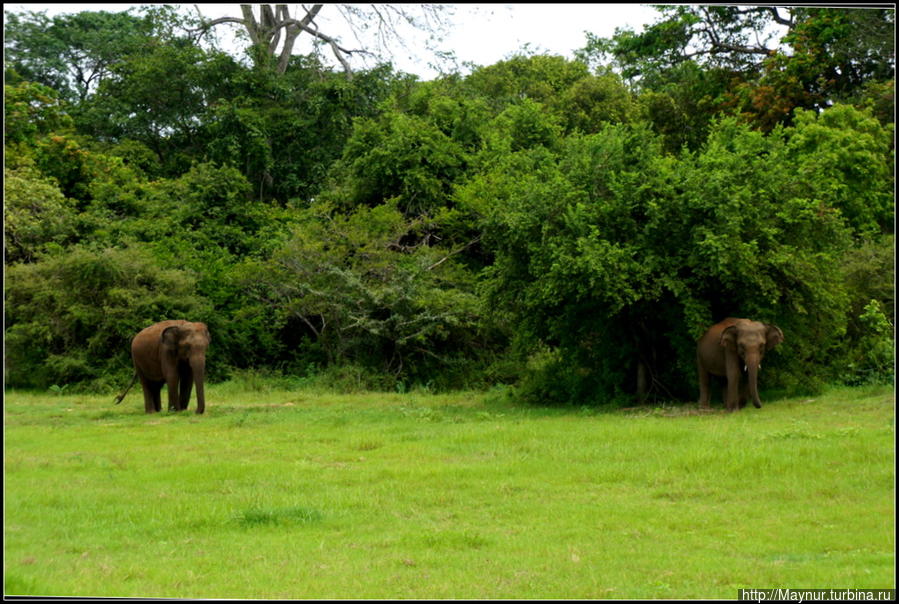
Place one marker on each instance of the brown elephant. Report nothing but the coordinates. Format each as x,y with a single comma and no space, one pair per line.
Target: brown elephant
734,349
171,353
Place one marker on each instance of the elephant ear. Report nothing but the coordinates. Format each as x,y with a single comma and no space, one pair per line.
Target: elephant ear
729,338
170,337
773,336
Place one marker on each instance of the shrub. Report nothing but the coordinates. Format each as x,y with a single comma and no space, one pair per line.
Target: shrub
35,213
369,292
871,358
71,315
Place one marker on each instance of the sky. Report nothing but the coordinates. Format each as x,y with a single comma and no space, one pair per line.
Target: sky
479,33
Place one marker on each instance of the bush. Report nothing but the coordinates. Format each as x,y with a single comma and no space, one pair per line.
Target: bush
399,157
871,358
35,213
71,315
370,293
843,157
869,278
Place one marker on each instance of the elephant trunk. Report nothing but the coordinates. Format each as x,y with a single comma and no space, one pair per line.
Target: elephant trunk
198,368
752,370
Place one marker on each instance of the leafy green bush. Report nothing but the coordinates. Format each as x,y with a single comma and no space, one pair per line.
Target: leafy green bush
871,357
71,315
843,157
402,157
35,214
369,292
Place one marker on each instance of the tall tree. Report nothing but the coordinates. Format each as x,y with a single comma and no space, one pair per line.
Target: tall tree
835,55
275,32
74,53
730,37
777,58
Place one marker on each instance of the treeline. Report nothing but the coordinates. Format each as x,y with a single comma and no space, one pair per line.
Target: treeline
550,223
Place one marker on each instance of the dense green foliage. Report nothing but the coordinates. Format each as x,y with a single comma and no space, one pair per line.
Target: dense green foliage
547,222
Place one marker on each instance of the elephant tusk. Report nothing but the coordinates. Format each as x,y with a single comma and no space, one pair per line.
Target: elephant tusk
745,368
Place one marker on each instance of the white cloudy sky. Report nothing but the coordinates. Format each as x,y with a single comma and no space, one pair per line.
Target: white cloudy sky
480,33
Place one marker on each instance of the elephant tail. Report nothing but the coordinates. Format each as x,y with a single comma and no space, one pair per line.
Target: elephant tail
121,396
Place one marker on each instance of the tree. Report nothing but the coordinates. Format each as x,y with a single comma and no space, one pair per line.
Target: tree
870,277
774,59
611,255
836,54
122,76
285,131
400,158
276,24
730,37
170,119
843,158
539,78
74,53
32,110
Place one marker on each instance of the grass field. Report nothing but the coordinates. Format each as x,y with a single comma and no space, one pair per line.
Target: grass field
304,494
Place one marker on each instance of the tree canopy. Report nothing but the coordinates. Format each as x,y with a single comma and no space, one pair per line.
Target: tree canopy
560,225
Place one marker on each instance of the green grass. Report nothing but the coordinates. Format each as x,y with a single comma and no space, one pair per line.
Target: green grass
302,494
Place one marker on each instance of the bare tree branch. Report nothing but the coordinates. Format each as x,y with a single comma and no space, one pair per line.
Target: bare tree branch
294,29
718,46
218,21
454,252
249,21
276,27
788,21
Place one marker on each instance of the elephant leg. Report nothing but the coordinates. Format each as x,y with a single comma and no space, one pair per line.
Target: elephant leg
199,375
148,396
157,396
732,397
704,394
186,384
171,381
152,391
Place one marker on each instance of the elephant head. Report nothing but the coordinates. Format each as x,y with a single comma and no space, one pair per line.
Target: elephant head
746,342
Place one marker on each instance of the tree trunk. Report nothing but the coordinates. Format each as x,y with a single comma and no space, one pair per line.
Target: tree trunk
265,34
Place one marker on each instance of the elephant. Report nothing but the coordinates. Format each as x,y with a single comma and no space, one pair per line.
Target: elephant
171,353
734,349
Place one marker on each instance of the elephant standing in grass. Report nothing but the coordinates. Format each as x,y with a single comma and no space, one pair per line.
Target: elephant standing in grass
734,349
171,353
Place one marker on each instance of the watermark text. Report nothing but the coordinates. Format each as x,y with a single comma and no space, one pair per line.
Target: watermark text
784,594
